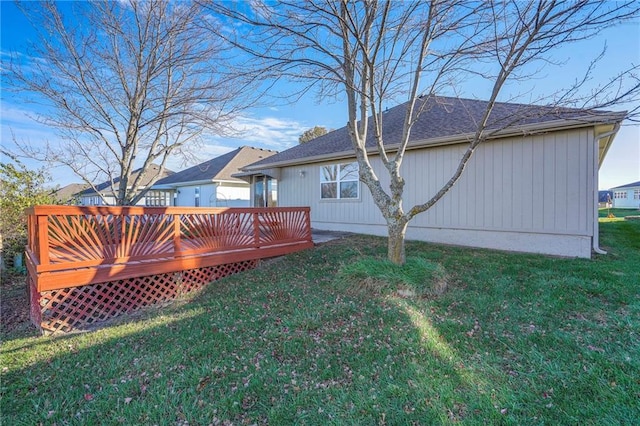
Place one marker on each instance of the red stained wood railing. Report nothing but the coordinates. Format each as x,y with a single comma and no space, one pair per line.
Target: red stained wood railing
71,246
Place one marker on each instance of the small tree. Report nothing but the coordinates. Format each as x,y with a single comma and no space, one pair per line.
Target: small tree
313,133
126,84
20,188
378,52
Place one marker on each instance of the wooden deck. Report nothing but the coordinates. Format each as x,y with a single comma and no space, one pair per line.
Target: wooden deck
72,246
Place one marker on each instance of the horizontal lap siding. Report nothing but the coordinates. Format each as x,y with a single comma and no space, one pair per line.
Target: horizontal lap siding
537,184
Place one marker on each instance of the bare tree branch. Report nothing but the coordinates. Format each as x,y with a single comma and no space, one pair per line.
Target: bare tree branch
126,85
376,52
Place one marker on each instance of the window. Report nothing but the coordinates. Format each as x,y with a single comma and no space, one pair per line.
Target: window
95,201
157,198
196,202
636,194
339,181
620,194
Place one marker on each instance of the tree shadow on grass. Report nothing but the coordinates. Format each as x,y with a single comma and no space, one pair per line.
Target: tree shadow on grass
286,344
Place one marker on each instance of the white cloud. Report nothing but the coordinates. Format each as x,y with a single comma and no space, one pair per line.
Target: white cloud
264,132
270,132
267,132
198,154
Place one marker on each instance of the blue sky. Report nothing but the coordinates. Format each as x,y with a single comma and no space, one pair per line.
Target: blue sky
278,126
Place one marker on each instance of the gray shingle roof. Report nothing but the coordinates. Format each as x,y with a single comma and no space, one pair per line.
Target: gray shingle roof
68,192
219,168
153,169
442,117
629,185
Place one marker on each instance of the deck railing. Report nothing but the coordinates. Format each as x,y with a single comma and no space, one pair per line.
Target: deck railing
70,246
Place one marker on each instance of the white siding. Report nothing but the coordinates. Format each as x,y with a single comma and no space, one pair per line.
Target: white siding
529,193
95,200
187,195
214,195
232,195
630,201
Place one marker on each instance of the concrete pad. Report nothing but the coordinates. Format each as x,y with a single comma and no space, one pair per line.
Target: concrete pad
319,236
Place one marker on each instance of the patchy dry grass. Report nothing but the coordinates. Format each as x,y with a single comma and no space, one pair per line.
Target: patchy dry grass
515,339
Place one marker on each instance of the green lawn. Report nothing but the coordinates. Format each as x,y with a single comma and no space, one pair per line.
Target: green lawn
514,339
618,213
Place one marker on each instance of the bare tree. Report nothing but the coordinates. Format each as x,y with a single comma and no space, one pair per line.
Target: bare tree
126,84
312,133
377,52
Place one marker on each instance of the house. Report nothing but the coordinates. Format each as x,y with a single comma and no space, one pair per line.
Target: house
627,196
107,190
532,186
211,184
69,194
605,198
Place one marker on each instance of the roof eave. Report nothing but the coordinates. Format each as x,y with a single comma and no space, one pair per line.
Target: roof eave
172,185
529,129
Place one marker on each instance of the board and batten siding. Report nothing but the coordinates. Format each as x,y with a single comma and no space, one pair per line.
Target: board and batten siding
528,193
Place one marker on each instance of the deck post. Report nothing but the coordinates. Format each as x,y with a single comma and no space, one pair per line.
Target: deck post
307,213
43,239
177,246
256,228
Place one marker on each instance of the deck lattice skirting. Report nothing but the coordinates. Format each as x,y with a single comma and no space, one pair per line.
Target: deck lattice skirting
88,264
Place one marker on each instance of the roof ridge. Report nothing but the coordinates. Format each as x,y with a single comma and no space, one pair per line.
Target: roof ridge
231,166
257,148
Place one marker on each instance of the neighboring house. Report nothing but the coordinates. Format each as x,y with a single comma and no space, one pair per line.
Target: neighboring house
627,196
69,194
106,190
531,187
605,198
211,184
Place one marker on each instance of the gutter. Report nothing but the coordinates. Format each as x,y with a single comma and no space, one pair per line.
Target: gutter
596,167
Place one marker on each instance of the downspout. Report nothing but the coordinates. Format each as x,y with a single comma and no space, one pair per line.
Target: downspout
596,163
215,192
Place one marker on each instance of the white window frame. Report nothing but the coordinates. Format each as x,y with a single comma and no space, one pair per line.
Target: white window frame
620,195
157,198
326,180
95,200
636,194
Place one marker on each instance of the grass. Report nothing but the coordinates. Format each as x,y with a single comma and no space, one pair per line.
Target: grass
617,214
514,339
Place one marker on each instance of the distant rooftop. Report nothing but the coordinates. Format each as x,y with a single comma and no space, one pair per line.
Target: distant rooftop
152,171
629,185
219,168
68,192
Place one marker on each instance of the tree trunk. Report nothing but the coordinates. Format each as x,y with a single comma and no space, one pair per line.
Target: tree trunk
395,246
